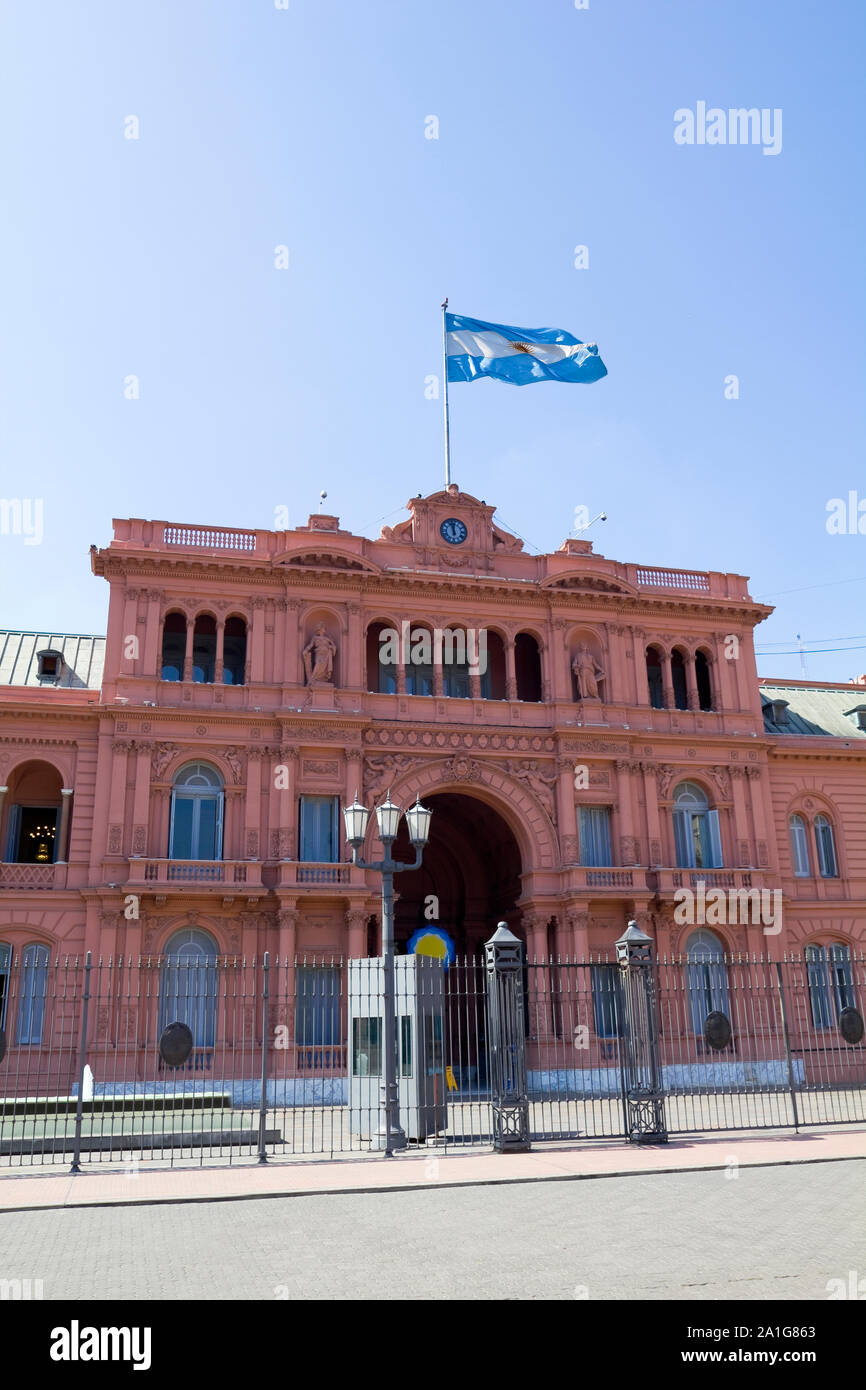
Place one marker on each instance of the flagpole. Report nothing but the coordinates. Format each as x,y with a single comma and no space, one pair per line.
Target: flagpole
445,378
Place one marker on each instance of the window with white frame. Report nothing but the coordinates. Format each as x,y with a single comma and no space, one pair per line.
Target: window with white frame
320,839
825,845
707,978
799,846
196,813
697,837
189,985
831,983
594,828
33,987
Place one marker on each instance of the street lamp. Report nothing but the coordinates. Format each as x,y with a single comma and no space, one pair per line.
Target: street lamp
389,1135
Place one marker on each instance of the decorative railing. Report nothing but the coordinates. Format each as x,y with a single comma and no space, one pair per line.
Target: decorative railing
673,579
209,538
609,878
322,873
27,875
195,871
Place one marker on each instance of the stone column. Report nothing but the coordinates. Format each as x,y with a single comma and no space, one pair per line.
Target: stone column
641,682
510,670
253,806
219,661
256,646
350,657
667,681
655,847
141,798
293,673
566,811
579,922
357,918
62,855
692,697
741,818
152,663
130,629
629,849
285,844
187,660
117,796
438,683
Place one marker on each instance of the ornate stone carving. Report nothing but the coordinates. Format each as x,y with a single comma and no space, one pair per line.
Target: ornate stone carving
235,759
588,673
115,839
319,656
139,839
252,844
664,777
569,849
763,855
461,770
629,846
324,769
539,781
380,772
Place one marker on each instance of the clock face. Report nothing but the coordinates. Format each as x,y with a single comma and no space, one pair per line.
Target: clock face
453,531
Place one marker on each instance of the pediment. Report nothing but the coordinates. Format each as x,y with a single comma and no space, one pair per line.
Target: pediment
582,581
328,559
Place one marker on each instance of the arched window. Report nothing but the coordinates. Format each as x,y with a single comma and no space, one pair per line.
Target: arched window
696,829
33,818
702,679
419,662
455,664
831,984
34,986
173,646
196,813
654,678
188,985
491,662
825,845
383,653
678,676
799,846
234,651
204,649
527,667
5,961
707,981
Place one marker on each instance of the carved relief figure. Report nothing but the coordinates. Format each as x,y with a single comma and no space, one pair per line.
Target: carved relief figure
588,673
319,656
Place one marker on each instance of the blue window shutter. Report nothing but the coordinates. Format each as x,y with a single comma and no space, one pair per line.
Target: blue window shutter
681,839
715,840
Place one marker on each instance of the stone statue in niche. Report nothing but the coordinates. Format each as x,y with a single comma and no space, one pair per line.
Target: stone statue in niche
319,656
588,673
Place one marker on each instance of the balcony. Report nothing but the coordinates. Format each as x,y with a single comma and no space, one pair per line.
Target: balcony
292,874
606,880
667,881
32,876
153,873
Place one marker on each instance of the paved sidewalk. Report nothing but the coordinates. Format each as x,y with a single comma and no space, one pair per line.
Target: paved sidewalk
139,1184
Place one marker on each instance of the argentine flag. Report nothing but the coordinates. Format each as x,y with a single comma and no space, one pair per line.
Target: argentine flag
518,355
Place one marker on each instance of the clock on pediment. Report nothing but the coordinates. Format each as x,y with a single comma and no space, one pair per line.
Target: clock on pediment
453,530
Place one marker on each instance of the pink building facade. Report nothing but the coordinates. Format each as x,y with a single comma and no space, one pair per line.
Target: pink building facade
610,745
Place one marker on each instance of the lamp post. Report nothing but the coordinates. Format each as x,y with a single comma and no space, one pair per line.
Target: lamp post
389,1135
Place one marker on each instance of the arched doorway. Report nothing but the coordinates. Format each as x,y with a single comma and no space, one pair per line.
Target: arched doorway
471,865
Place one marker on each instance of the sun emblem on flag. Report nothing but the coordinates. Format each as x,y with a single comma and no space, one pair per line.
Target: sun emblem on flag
522,347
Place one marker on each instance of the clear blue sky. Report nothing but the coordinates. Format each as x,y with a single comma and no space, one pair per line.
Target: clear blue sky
306,127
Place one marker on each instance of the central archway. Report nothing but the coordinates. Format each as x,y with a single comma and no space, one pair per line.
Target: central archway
472,865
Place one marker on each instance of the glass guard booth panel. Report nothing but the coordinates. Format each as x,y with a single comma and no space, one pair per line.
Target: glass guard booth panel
418,1021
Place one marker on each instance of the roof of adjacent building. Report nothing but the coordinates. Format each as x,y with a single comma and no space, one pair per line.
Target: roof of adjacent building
83,659
819,710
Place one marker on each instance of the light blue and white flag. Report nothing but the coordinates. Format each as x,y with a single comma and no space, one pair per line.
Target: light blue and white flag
518,355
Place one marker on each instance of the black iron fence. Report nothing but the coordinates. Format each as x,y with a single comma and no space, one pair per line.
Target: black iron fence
192,1059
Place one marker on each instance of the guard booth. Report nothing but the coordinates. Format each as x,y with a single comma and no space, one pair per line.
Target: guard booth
419,1022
